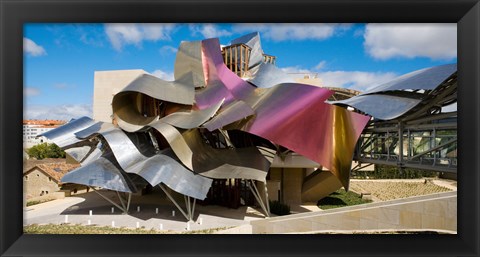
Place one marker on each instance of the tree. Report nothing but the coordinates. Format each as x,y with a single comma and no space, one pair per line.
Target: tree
46,150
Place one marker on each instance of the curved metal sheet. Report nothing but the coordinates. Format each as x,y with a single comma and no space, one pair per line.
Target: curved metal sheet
267,75
64,136
157,88
228,114
384,107
253,41
163,169
78,153
95,128
246,163
195,154
192,119
424,79
99,173
125,151
126,104
286,115
188,64
135,155
132,127
94,155
176,142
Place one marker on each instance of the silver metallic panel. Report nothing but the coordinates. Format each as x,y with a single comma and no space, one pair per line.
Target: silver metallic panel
133,127
99,173
177,143
163,169
188,64
384,107
157,88
95,155
267,75
228,114
64,136
135,155
126,105
253,41
195,154
78,153
192,119
246,163
125,151
426,79
95,128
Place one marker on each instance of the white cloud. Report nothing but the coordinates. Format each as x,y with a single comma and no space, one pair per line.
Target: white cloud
31,91
163,75
293,31
167,49
358,80
295,69
133,34
320,65
435,41
32,49
57,112
208,31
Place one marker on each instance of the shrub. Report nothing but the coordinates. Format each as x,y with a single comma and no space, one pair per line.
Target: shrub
279,208
393,172
46,150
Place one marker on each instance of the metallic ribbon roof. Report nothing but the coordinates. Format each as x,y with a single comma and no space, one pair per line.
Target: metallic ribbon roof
64,136
100,173
399,96
424,79
206,95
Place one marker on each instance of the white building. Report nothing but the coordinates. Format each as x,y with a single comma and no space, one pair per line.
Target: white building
33,128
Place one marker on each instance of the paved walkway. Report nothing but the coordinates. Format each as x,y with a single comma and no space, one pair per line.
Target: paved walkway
76,210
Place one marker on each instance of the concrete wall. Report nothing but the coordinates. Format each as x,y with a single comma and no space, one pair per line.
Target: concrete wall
106,85
437,211
35,182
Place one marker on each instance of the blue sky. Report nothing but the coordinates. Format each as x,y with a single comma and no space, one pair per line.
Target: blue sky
60,59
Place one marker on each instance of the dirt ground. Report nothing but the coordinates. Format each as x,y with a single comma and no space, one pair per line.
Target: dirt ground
389,189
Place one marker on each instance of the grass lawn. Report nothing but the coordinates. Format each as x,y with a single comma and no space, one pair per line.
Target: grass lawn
341,198
82,229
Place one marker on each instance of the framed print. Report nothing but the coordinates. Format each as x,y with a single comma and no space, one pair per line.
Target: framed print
228,81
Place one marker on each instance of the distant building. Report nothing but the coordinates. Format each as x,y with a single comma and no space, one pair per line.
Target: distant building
33,128
43,177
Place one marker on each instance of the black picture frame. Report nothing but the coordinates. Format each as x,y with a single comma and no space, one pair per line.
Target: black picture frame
13,13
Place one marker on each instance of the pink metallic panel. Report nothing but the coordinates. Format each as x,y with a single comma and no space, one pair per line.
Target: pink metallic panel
292,115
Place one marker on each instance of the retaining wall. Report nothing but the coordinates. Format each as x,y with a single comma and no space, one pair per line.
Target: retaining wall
436,211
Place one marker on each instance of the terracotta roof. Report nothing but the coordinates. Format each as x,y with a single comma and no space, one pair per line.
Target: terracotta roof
30,163
55,170
44,122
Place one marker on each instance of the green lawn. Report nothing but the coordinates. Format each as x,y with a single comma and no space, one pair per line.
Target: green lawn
340,198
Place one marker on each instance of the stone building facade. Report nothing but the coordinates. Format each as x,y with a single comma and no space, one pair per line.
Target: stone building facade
44,179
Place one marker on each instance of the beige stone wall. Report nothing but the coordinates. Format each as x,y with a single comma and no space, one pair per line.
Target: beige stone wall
106,85
291,185
35,182
437,211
